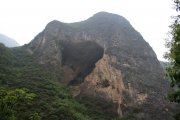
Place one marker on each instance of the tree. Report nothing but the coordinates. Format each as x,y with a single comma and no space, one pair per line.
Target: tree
174,57
35,116
12,100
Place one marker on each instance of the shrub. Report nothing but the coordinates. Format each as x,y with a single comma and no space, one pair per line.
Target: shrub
105,83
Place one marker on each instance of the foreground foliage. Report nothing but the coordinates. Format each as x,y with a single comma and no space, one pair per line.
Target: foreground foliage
174,57
13,101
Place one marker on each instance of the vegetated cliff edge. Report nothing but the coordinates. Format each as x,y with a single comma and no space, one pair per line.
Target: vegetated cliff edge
104,59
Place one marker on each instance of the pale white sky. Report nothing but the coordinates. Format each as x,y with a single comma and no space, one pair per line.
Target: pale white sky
22,20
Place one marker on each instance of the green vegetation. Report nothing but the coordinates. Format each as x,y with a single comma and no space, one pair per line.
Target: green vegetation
174,57
52,102
34,93
12,102
98,109
164,64
105,83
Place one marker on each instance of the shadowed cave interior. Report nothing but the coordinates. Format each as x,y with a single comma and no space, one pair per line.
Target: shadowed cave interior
81,57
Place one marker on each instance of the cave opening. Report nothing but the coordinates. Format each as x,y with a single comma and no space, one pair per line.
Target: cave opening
81,57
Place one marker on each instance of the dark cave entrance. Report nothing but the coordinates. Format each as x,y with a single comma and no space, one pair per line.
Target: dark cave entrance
81,57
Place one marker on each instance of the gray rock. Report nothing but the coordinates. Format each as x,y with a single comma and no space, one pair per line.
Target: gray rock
73,50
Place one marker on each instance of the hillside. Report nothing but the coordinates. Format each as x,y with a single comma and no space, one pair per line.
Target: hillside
52,101
97,69
105,59
164,64
8,42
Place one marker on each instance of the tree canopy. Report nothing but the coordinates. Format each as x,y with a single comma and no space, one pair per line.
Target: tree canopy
174,57
12,101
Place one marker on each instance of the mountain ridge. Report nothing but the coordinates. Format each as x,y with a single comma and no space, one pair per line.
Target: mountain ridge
98,69
7,41
138,81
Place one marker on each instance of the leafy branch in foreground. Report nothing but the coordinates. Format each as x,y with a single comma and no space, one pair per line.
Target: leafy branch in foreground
174,56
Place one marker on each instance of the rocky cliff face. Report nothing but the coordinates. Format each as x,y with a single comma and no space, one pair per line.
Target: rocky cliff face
104,58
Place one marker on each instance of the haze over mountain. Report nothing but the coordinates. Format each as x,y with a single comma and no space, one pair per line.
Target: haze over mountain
7,41
97,69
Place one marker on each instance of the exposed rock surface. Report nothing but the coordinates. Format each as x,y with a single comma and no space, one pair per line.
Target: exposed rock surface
106,82
105,58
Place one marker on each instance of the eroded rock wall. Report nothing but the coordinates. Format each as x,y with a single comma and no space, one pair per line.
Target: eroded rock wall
104,58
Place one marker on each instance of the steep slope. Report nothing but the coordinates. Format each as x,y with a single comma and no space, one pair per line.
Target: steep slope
52,101
105,59
8,41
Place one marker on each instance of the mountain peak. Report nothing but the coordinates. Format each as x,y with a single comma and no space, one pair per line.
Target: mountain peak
105,14
109,18
55,23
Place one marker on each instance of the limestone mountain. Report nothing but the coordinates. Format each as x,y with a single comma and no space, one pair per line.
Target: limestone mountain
9,42
104,60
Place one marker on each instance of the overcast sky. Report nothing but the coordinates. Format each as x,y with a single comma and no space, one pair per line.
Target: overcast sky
22,20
